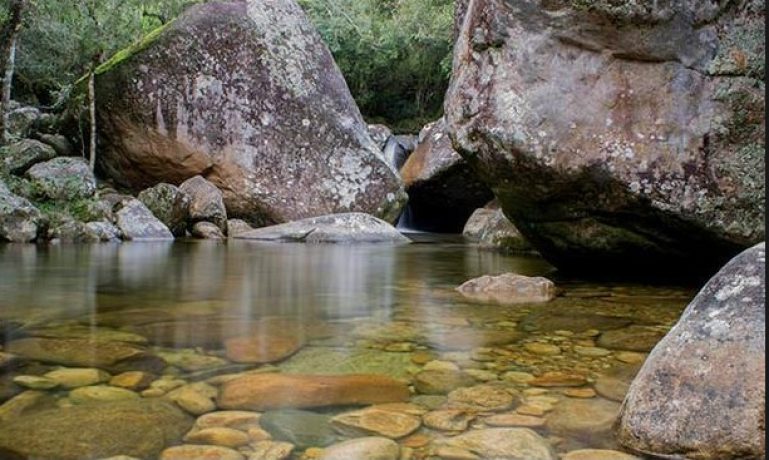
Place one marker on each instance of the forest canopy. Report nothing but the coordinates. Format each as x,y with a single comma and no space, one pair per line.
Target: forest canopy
394,54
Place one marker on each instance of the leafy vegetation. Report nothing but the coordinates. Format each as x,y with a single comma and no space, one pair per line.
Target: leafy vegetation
395,54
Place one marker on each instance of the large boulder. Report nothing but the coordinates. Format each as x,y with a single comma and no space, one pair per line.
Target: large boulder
338,228
617,131
20,220
206,202
169,204
246,94
62,179
489,228
20,156
443,190
137,223
701,393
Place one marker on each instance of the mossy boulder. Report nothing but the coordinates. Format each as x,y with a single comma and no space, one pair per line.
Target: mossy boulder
618,136
247,95
62,179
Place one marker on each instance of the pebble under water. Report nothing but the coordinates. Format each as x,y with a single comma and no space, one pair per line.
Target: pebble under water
237,351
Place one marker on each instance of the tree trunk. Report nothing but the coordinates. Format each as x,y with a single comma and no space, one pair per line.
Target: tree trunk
92,111
8,35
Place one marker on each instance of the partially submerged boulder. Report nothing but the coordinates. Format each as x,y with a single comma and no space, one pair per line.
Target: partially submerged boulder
206,202
20,221
169,204
701,393
617,131
509,288
443,190
337,228
489,228
246,94
137,223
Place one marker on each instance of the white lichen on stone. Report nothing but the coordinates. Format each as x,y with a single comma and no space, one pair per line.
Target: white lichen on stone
350,176
736,287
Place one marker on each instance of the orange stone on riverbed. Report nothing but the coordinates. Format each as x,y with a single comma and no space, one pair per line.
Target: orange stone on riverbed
262,392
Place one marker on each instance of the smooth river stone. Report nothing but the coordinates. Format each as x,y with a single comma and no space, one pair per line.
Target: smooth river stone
277,391
262,348
598,454
217,436
512,419
509,288
270,450
100,393
189,452
239,420
482,398
448,420
111,356
77,377
368,448
559,379
498,443
441,382
584,418
138,428
372,421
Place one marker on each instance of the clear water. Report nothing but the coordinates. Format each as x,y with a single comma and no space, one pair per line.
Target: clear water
371,309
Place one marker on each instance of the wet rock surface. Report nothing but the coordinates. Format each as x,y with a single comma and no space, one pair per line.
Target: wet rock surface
706,378
290,142
509,288
621,167
490,229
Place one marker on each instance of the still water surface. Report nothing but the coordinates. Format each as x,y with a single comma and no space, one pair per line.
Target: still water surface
389,310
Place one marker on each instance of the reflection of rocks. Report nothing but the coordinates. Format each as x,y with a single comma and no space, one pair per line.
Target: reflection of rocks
137,428
334,228
706,378
509,288
275,391
497,443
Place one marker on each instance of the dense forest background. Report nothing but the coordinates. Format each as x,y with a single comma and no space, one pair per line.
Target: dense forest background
394,54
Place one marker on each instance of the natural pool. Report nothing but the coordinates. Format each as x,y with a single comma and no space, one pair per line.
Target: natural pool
180,322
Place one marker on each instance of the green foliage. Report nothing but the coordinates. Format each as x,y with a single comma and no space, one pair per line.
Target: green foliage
394,54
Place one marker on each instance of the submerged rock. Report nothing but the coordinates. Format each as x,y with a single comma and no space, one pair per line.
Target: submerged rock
584,418
302,428
263,348
497,443
335,228
617,131
20,156
63,179
367,448
443,190
374,421
139,428
490,229
188,452
706,378
169,204
20,221
509,288
247,95
276,391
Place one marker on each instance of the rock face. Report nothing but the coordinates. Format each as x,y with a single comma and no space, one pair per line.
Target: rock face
63,178
616,131
169,204
139,428
490,229
337,228
706,378
20,221
509,288
443,190
246,94
277,391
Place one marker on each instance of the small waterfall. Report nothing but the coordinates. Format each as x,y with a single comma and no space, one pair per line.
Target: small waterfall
406,221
